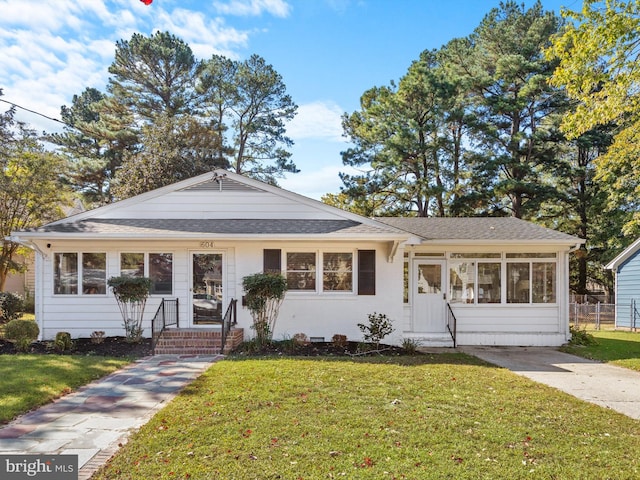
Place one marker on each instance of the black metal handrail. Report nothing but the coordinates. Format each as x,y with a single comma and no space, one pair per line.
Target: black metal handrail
451,324
166,315
229,319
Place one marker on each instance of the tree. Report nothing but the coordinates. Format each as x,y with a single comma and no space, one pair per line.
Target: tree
94,148
506,76
31,190
264,296
154,75
259,109
597,56
581,209
174,149
410,137
131,294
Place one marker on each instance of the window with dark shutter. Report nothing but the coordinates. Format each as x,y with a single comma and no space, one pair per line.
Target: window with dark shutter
272,260
366,272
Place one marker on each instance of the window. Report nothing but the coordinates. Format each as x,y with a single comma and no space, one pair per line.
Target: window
161,273
65,275
337,272
132,264
301,271
157,266
518,278
94,273
91,268
489,280
462,282
518,283
405,278
544,282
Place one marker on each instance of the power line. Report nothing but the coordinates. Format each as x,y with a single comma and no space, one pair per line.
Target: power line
33,111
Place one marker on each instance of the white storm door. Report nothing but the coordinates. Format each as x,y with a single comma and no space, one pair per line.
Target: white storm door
429,304
207,289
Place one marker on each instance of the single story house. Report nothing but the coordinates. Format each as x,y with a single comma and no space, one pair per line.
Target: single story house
482,281
626,269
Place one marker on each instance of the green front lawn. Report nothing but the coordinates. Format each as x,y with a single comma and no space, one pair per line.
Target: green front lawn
438,416
28,381
618,347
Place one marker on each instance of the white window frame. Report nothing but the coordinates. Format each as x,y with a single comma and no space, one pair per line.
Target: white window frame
146,254
80,273
319,271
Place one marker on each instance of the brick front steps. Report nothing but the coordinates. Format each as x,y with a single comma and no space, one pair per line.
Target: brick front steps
196,341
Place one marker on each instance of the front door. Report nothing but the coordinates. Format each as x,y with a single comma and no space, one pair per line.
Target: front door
429,304
207,288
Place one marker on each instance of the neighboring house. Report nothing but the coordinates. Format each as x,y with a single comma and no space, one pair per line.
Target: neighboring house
626,268
506,280
22,283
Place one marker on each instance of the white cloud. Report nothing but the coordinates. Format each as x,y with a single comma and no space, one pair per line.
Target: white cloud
278,8
316,183
204,36
320,120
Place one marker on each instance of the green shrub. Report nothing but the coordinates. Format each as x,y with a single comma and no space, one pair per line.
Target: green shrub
131,294
11,306
264,293
63,342
21,333
379,327
581,337
410,345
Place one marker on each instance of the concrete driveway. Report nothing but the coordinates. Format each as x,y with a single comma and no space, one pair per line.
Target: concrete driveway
605,385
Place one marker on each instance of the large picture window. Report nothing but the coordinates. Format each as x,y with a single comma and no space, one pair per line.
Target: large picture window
89,270
157,266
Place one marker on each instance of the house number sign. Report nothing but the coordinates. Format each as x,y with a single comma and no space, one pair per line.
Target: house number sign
206,244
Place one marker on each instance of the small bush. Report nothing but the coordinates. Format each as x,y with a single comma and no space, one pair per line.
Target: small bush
97,337
11,306
21,333
410,345
339,340
63,342
581,337
379,327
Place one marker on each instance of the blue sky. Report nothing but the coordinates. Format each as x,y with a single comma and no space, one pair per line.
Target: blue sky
329,52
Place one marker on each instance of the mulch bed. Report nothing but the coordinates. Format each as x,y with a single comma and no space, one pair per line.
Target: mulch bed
110,347
118,347
318,349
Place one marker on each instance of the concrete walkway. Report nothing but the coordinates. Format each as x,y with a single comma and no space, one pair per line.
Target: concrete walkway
606,385
93,421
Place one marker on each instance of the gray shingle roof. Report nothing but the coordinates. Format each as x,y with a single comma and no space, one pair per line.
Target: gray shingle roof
476,228
176,227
